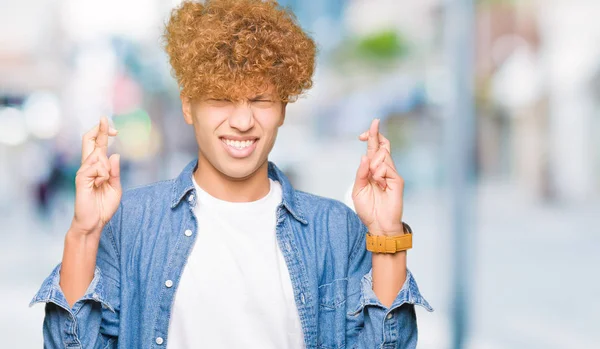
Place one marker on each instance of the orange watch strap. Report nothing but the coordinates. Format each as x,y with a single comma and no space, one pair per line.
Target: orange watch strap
389,244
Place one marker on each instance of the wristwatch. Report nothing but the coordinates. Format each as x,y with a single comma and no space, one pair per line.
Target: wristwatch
390,244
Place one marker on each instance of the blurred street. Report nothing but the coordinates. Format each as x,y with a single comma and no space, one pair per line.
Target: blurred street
516,124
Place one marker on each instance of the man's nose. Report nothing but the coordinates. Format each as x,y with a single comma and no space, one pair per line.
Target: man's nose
242,117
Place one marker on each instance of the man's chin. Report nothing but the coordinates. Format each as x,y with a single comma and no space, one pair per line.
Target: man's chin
239,169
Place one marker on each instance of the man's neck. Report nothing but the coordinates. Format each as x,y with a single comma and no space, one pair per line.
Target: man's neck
222,187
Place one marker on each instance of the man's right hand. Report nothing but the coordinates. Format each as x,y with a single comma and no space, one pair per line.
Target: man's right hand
97,197
97,184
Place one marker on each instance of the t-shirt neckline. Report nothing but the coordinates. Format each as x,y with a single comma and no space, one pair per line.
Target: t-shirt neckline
205,198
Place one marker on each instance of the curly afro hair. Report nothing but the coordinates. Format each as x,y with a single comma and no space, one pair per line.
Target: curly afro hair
235,48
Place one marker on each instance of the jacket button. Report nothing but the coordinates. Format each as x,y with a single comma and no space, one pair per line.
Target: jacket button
302,298
159,340
169,283
188,233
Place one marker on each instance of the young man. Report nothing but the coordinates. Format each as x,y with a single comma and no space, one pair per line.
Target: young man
228,254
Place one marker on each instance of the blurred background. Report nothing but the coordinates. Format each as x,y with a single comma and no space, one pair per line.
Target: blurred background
492,108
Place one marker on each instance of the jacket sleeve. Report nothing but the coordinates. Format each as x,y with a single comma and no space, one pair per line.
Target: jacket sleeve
93,321
370,324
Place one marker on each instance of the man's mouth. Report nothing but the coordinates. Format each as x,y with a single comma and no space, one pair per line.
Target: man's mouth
238,144
239,147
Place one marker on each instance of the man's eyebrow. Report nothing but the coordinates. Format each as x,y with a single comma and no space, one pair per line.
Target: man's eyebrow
261,96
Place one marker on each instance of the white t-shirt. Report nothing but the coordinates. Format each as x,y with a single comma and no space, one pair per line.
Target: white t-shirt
235,290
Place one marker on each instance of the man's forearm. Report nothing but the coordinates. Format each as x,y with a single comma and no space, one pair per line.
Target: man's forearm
78,265
389,274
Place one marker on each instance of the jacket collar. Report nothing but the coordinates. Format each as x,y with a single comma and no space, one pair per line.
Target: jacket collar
183,184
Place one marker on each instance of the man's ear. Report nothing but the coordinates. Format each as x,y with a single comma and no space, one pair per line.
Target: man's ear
283,109
186,108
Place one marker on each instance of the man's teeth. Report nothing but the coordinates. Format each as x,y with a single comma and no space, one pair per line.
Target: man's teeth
238,144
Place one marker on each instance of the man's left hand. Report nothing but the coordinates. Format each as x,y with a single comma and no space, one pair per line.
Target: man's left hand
378,188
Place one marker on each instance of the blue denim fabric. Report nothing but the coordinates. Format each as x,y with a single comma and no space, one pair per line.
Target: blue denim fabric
128,305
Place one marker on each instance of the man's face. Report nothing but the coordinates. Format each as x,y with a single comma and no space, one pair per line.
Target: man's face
235,136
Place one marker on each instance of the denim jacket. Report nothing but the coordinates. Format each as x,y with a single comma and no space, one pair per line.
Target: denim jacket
144,248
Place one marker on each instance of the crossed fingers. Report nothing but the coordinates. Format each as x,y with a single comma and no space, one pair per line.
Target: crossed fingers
97,139
378,147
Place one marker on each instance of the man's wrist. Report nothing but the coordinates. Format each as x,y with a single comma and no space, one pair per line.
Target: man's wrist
77,237
394,231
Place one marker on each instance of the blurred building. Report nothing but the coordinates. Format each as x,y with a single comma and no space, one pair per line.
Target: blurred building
65,63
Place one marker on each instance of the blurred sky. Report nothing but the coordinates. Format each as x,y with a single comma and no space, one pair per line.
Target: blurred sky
535,185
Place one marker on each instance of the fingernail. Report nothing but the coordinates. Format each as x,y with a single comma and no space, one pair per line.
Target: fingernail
113,130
